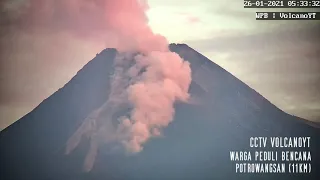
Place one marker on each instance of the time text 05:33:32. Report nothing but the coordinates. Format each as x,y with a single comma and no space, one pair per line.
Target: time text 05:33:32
282,4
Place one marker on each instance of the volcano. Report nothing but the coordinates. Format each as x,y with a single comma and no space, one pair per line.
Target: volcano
222,115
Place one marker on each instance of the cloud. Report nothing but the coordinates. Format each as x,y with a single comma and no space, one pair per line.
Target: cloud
280,63
55,31
260,41
193,20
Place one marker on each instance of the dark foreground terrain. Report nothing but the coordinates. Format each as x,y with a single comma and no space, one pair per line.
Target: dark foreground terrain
195,145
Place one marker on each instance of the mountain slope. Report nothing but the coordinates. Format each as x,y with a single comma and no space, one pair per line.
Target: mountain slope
195,145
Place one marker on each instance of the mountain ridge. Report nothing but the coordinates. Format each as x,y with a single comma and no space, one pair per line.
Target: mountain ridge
229,112
172,47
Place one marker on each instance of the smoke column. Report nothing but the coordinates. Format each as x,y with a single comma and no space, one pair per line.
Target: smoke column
148,83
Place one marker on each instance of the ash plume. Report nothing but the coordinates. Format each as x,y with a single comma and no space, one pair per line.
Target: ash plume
148,78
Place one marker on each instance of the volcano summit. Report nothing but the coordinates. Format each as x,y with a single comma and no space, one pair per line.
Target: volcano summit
217,114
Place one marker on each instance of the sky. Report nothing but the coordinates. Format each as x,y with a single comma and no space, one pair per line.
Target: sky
279,59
